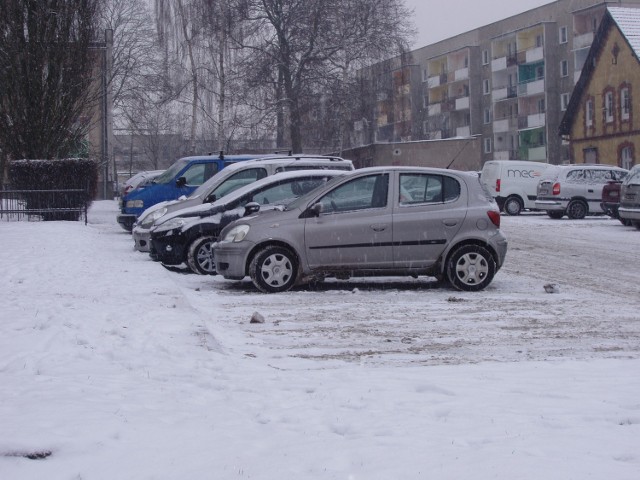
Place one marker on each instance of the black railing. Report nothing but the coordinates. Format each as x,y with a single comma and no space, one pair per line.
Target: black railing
44,204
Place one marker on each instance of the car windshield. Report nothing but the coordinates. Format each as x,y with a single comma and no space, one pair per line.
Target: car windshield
633,178
171,172
300,201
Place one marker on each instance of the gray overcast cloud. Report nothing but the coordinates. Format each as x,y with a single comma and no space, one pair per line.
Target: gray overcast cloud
437,21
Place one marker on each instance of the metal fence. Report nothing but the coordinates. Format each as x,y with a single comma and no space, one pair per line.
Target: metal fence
35,205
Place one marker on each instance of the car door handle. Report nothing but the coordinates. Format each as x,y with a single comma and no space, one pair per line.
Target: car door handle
450,223
590,190
379,227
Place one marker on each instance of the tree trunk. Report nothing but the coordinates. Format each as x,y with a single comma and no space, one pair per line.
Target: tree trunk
222,85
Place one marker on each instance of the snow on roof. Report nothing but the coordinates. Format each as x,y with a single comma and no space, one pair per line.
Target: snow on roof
628,21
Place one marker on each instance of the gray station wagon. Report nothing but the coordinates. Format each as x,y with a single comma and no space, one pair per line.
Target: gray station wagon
381,221
575,190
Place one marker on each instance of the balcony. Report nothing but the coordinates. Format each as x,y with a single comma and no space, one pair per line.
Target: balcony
437,80
533,152
462,103
531,88
463,131
534,55
535,120
461,74
505,125
504,93
499,64
582,41
434,109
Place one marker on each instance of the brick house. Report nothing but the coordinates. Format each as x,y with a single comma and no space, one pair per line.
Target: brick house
599,121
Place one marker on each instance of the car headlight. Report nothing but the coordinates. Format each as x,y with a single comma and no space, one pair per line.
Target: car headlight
148,220
173,224
135,204
237,234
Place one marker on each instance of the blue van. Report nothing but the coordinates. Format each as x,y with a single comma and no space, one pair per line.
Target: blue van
182,178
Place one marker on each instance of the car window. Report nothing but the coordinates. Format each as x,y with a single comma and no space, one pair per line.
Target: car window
633,178
235,181
198,173
169,175
286,190
358,194
601,176
619,175
574,176
427,188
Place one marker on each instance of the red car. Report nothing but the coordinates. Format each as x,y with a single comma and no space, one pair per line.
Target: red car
611,201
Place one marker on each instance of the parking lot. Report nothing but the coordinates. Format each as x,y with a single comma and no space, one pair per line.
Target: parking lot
113,366
595,313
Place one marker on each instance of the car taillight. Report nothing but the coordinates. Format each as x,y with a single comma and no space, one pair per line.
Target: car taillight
494,216
497,185
556,188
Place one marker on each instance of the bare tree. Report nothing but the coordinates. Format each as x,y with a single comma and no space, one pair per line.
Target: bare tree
179,25
136,67
294,38
368,31
46,68
312,49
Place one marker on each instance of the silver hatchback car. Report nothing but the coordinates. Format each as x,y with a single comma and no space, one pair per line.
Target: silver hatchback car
630,197
380,221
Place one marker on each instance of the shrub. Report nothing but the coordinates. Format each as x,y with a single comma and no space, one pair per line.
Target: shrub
63,174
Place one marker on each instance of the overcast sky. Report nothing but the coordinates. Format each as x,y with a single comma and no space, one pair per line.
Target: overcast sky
437,21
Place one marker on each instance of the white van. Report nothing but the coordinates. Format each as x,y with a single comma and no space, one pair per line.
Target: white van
513,183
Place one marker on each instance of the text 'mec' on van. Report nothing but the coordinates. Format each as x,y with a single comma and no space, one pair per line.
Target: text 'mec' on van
181,178
513,183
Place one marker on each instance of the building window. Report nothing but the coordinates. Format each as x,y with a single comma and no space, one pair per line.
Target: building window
487,116
626,157
486,87
563,35
564,101
625,103
590,155
485,57
539,72
425,75
487,145
564,68
539,41
425,101
608,107
541,105
588,113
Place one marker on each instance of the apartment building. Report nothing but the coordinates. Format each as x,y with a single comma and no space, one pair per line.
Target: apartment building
508,82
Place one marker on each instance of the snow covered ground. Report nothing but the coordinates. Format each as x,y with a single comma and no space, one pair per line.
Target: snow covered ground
114,367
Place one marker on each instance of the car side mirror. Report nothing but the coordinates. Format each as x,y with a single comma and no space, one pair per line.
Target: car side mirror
181,182
316,209
211,198
251,207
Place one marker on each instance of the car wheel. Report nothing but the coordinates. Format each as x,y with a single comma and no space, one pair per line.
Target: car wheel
637,225
513,206
625,221
555,214
273,269
200,256
471,268
577,210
